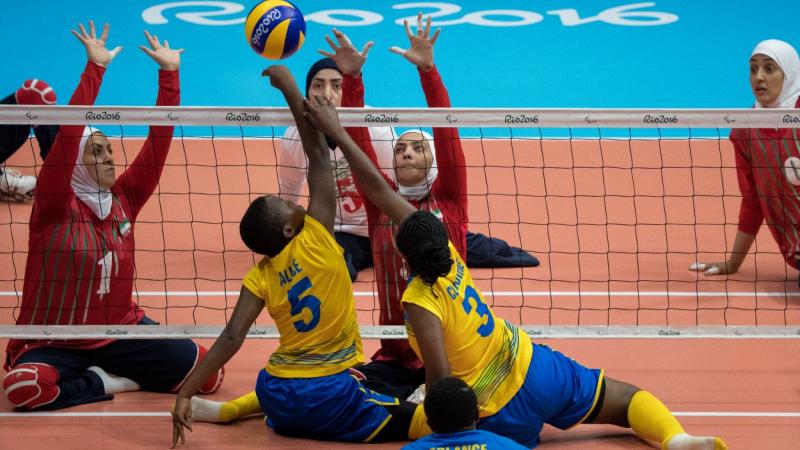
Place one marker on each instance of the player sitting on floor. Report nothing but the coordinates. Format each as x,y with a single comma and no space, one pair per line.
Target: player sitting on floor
304,284
520,386
452,411
767,162
80,265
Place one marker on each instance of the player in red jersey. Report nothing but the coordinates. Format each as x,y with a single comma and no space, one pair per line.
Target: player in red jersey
768,161
80,266
431,173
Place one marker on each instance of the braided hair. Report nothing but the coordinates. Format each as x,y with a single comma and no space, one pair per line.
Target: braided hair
422,239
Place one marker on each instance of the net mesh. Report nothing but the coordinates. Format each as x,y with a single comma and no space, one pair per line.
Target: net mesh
616,204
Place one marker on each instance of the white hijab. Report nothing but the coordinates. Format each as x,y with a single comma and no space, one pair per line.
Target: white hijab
421,189
786,57
85,187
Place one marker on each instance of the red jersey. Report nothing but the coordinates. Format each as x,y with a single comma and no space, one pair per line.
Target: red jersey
766,191
80,268
447,200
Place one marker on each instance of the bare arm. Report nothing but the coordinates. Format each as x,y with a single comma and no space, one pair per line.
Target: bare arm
227,344
321,188
430,338
375,187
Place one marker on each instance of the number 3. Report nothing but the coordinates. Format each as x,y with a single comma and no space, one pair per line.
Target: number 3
481,308
299,304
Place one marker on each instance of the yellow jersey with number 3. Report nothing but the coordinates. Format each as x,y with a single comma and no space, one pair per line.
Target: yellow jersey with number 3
307,290
488,353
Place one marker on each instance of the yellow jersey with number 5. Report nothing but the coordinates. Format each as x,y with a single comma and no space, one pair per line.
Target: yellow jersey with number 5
488,353
307,290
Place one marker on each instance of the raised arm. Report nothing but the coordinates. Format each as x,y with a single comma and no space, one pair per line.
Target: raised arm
321,188
140,180
452,179
374,186
53,189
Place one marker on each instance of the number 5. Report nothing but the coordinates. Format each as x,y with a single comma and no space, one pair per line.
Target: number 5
299,304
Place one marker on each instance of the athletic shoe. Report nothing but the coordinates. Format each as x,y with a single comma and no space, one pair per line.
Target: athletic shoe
16,187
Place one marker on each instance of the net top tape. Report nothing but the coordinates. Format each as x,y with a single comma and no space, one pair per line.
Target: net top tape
408,117
57,332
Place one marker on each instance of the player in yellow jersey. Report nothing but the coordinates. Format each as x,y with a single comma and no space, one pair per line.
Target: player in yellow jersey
519,386
304,284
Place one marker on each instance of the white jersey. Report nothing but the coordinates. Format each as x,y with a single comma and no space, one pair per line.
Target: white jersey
351,215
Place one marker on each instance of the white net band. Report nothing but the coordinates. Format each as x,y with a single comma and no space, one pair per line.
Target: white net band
436,117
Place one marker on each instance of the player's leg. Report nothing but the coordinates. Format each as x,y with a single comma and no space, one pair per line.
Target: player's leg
157,365
52,378
335,407
577,394
628,406
204,410
391,378
13,185
357,252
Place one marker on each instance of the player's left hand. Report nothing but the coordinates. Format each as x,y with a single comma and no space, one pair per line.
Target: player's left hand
181,417
322,114
167,58
348,59
421,52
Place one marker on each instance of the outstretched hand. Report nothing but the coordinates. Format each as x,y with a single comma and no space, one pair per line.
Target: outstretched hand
322,114
96,50
167,58
348,59
421,51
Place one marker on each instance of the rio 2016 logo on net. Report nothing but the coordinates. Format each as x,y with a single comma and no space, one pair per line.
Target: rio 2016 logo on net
443,14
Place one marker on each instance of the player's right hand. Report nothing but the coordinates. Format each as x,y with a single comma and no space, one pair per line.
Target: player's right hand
718,268
96,49
181,417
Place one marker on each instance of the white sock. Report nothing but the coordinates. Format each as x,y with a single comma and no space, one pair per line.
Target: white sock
113,384
685,441
205,410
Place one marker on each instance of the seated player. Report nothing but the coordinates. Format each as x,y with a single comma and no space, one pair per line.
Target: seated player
304,284
80,265
14,186
431,173
324,78
452,411
767,162
519,386
327,79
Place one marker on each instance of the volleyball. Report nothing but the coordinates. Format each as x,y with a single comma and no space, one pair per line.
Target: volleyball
275,29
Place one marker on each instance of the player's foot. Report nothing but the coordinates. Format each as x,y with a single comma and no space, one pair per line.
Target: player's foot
204,410
688,442
113,384
16,187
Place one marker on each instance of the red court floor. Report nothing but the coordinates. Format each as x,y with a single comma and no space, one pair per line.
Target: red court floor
614,223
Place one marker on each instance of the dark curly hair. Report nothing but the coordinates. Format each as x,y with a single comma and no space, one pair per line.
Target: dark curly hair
451,406
422,239
261,228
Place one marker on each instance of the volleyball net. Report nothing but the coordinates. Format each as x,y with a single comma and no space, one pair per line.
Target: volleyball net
615,204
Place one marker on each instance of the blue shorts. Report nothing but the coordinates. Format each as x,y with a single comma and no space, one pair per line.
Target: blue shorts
334,407
557,391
